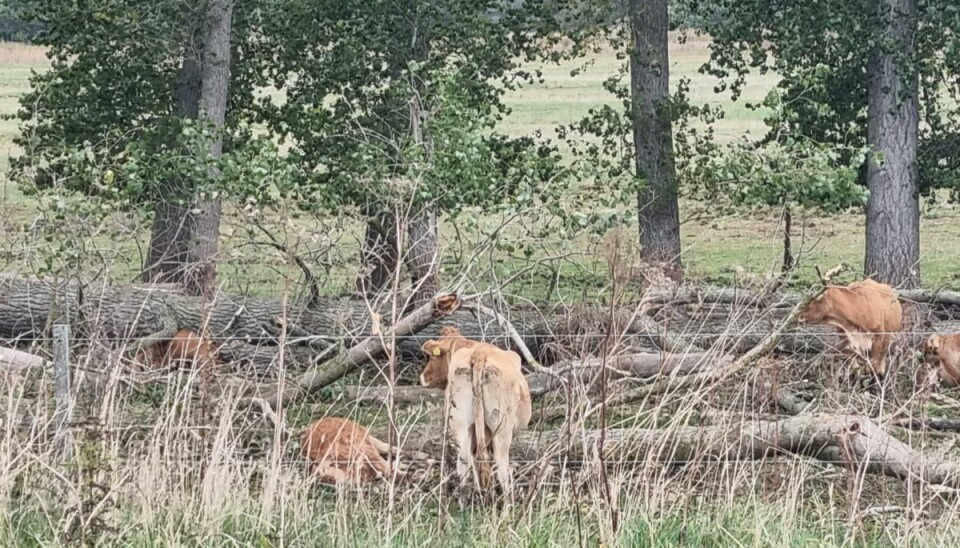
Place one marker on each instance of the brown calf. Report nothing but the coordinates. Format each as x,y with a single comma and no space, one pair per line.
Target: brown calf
488,396
342,451
186,347
867,312
945,350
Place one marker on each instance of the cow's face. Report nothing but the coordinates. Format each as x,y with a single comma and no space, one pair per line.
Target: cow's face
438,362
931,348
817,310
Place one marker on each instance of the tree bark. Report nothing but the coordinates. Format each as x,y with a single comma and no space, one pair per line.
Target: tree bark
172,227
893,211
659,212
841,440
379,257
422,256
214,87
422,231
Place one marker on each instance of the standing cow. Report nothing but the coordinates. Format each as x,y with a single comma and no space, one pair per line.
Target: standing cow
867,312
945,351
488,400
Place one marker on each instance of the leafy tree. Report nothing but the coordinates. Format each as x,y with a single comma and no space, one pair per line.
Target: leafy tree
859,73
373,93
796,173
115,116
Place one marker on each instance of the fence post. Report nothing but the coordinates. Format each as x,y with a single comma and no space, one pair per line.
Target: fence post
63,439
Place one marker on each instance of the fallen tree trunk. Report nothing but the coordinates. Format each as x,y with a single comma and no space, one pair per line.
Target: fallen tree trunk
129,312
841,440
401,394
348,360
628,365
728,295
639,365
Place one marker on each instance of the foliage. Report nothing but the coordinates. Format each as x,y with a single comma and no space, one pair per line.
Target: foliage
821,51
794,172
103,120
348,71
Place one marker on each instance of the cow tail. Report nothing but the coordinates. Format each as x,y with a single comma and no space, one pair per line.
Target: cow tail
478,361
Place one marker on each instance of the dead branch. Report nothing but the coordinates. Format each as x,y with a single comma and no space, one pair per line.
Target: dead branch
673,382
357,355
308,276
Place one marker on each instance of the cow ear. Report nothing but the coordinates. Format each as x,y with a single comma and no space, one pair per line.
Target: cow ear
432,348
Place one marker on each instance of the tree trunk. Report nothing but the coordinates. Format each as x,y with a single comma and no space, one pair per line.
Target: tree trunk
652,136
893,210
422,256
214,87
380,256
172,227
841,440
422,229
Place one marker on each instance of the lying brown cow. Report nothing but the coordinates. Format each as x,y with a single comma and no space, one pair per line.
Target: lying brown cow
867,312
186,347
488,396
945,350
342,451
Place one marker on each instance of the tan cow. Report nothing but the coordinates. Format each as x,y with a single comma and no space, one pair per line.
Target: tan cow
186,347
945,349
342,451
488,400
867,312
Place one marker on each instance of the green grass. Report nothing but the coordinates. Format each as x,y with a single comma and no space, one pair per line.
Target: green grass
708,527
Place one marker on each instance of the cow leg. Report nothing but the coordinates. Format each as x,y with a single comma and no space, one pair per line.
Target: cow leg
878,354
461,427
502,440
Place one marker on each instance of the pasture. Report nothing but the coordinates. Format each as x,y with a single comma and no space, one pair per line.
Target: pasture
721,451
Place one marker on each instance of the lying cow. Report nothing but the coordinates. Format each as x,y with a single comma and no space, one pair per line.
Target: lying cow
186,347
867,312
342,451
488,396
945,351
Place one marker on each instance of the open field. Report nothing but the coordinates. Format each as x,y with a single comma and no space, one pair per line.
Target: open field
180,455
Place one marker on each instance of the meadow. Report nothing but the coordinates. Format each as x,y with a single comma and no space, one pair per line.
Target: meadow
150,472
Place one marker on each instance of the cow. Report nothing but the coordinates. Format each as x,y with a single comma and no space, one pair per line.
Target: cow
343,452
488,401
185,347
867,312
945,351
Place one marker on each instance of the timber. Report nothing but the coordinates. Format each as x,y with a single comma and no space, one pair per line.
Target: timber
840,440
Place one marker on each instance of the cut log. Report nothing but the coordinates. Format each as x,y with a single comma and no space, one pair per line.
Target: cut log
842,440
688,295
364,352
128,312
401,394
640,365
628,365
19,359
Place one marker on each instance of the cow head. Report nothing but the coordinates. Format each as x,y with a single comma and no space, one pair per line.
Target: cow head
818,310
931,348
151,355
438,354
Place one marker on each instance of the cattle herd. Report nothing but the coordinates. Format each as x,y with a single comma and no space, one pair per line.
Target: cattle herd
487,399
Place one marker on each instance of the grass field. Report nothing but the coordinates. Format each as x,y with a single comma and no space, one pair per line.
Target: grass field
150,472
